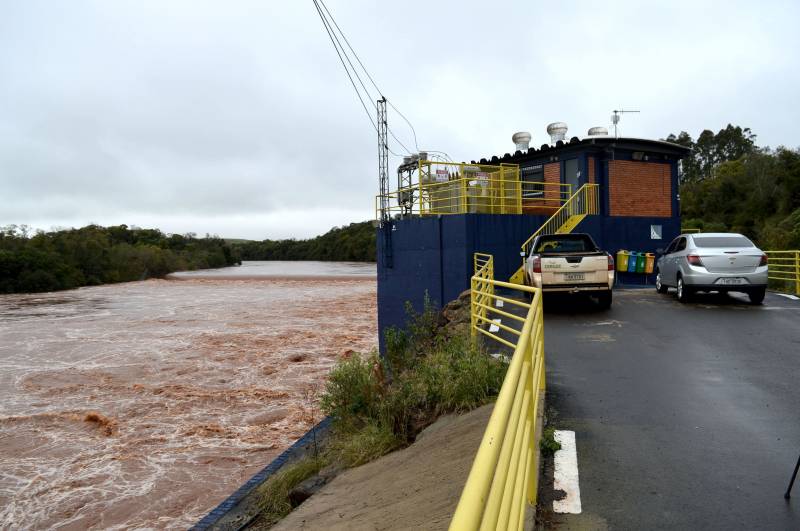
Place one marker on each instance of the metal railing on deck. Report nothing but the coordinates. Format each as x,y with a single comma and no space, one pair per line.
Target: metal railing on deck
784,266
451,188
583,203
503,477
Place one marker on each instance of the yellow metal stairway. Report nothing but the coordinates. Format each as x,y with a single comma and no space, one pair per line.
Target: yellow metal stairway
582,203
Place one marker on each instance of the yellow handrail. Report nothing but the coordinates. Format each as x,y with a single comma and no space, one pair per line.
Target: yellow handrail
483,267
785,266
504,474
582,203
458,188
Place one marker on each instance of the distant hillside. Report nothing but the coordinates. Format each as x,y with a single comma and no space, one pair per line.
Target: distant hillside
71,258
353,243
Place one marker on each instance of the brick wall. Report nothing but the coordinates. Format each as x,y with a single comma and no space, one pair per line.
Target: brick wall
552,192
639,189
590,163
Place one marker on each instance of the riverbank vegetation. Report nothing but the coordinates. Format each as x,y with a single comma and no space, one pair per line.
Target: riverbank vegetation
728,183
380,404
71,258
353,243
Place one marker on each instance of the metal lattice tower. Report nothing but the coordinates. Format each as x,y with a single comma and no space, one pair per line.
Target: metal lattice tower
383,159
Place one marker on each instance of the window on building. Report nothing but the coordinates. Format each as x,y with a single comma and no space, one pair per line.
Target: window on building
532,181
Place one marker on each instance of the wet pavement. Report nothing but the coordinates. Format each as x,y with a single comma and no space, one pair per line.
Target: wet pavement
686,416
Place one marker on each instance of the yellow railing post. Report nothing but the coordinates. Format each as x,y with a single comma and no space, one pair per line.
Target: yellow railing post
797,272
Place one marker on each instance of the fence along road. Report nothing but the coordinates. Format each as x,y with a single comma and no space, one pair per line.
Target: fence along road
503,478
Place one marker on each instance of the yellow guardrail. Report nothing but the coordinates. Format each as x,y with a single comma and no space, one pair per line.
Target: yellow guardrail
483,267
503,477
452,188
584,202
691,231
785,266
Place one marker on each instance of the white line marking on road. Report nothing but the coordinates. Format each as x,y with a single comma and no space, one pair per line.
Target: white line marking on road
501,357
565,475
499,303
494,327
793,297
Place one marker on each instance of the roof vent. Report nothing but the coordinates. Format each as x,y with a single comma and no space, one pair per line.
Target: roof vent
598,131
557,131
521,140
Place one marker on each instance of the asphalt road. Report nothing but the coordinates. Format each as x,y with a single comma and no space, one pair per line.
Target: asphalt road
686,416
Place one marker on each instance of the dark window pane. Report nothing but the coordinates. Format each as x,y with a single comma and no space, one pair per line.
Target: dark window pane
722,241
565,243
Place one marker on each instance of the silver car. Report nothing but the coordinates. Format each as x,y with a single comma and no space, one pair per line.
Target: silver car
712,261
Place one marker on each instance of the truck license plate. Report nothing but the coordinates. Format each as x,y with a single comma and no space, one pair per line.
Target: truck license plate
573,276
728,281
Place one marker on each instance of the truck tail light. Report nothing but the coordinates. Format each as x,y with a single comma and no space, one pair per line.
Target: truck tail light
610,263
537,264
694,260
764,260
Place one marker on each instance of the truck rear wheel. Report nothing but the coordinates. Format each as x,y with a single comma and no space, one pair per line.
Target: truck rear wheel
604,299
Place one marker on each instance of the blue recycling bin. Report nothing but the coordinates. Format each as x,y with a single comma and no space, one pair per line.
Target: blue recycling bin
632,262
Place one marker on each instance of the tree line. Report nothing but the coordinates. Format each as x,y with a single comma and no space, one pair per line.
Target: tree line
71,258
728,183
353,243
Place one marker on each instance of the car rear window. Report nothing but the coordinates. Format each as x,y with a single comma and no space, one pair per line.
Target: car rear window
575,243
722,241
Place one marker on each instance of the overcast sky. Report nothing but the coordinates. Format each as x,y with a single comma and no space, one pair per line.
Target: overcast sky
235,118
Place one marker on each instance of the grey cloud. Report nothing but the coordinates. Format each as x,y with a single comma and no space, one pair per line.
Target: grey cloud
236,119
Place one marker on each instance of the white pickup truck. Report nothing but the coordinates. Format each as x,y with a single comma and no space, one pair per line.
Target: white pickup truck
570,263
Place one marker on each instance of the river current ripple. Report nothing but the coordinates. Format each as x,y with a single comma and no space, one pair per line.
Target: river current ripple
144,404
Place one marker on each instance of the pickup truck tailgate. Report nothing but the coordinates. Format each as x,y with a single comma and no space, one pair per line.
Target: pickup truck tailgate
575,270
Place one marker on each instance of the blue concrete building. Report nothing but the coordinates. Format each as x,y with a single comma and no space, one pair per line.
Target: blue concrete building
443,213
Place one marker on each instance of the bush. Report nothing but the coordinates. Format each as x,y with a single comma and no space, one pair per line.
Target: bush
424,375
353,391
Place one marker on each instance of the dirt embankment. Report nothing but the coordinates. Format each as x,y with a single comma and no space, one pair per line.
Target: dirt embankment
417,487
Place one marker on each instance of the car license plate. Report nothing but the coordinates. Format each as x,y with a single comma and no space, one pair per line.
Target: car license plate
574,276
731,281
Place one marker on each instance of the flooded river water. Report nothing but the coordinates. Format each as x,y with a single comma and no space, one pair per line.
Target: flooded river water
144,404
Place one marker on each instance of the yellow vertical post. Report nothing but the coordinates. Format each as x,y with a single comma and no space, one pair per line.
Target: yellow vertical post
420,185
472,319
463,204
797,272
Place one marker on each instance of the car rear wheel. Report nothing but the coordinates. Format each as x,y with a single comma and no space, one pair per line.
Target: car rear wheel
684,293
757,295
661,288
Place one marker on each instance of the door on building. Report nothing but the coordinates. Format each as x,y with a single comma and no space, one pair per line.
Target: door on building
572,177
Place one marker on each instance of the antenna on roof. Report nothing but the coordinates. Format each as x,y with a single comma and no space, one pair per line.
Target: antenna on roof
615,119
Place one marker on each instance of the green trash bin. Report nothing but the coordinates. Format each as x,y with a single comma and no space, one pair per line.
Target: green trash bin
641,260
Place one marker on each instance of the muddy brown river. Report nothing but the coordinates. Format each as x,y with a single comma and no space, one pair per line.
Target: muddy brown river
143,405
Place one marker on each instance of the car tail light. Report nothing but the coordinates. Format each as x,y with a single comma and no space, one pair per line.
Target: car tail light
694,260
764,260
537,264
610,263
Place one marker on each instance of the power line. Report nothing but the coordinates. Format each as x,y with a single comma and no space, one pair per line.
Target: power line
325,23
337,45
364,68
351,49
416,146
